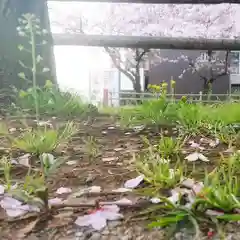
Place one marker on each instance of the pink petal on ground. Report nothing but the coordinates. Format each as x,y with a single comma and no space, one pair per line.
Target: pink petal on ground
55,201
197,188
210,212
63,190
155,200
122,190
96,220
124,201
110,212
192,157
133,183
14,208
2,189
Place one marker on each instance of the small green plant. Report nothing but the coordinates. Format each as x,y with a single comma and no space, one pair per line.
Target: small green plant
43,140
6,168
91,146
158,171
169,146
221,190
30,29
228,135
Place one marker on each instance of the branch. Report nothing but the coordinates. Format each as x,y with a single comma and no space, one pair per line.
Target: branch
191,64
225,72
118,66
143,42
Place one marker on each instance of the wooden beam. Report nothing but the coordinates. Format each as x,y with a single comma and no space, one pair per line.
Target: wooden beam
146,42
157,1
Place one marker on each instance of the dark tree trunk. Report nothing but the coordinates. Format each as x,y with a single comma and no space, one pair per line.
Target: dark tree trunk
9,53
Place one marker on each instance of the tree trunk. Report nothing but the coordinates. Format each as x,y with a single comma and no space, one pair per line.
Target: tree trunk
9,52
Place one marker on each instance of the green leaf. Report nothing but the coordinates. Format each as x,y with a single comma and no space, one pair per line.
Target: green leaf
229,217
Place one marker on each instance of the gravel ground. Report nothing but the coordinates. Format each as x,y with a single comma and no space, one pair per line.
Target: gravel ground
116,231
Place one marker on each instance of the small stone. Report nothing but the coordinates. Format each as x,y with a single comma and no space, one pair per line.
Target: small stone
95,236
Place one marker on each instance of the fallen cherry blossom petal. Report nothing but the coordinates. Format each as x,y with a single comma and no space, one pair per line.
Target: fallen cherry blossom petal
24,160
44,123
133,183
138,128
98,219
122,190
55,201
15,208
192,157
109,159
63,190
155,200
194,144
118,149
14,161
94,189
124,201
210,212
188,183
2,189
197,188
203,158
71,162
214,143
174,198
196,156
11,130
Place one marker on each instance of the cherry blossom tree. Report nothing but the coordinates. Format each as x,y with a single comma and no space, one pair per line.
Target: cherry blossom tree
169,20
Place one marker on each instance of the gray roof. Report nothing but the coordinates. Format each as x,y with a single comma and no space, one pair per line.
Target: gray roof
207,21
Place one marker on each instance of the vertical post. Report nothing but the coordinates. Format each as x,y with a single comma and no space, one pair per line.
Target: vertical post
200,96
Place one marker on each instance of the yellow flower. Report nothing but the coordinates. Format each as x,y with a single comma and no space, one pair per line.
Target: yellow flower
184,99
48,84
149,86
173,83
22,94
164,85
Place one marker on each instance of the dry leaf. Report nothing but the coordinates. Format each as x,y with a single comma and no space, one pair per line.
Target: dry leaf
27,230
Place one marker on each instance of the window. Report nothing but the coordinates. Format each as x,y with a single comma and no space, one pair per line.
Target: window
234,63
235,88
205,58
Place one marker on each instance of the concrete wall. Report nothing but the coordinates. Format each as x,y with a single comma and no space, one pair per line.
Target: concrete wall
191,82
